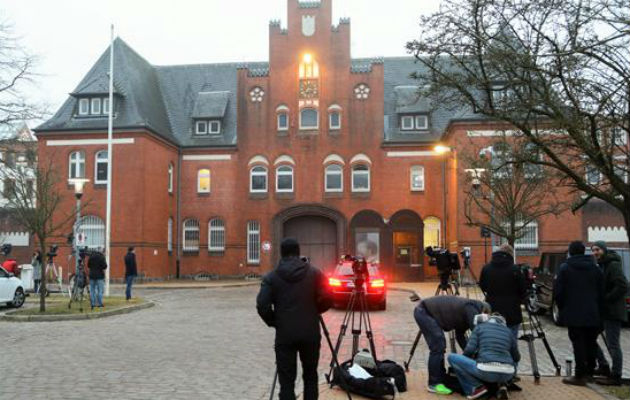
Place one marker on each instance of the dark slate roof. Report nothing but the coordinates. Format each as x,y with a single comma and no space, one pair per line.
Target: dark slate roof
399,98
139,104
211,104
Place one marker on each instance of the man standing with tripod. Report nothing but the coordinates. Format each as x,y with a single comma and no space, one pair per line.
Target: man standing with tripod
290,300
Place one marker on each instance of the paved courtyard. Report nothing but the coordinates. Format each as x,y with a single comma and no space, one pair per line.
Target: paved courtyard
196,343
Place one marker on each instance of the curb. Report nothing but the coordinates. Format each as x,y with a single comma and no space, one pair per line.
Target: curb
227,285
75,317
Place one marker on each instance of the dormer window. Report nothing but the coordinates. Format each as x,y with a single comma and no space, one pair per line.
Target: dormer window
93,107
414,122
205,127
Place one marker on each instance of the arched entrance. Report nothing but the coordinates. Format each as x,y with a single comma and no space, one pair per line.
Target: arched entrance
407,236
371,238
320,231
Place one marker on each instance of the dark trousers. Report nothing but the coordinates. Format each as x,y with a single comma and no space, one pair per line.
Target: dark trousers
36,283
287,368
434,336
612,330
584,341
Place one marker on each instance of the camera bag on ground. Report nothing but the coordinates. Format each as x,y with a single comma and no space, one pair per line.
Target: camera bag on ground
387,379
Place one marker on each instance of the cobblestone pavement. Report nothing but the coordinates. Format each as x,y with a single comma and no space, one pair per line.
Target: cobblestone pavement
206,343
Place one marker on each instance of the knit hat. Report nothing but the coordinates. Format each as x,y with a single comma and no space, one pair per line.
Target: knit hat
506,248
576,248
601,244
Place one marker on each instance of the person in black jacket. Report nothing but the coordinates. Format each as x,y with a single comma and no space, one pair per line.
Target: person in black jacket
504,286
131,270
97,267
439,314
578,292
290,300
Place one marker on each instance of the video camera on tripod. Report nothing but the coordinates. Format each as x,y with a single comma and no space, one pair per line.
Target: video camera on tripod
52,252
359,269
6,249
445,261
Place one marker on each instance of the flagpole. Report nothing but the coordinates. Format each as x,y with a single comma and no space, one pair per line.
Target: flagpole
108,223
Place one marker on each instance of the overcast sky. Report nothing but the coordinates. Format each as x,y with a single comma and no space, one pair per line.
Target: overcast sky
69,35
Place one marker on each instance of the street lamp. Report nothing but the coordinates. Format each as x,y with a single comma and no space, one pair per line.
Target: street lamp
78,184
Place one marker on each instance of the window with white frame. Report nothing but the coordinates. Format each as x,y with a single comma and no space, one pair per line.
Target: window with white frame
169,235
309,118
95,106
283,121
284,179
84,106
414,122
190,235
216,235
258,179
100,167
203,180
334,120
77,165
360,178
253,242
214,127
501,161
592,175
621,169
432,229
106,106
201,127
406,122
421,122
170,178
333,178
532,170
92,229
529,238
205,127
417,178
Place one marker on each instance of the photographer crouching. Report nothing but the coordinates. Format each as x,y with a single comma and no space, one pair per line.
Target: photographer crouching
290,300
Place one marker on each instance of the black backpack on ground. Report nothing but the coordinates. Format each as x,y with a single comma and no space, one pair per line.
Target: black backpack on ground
379,386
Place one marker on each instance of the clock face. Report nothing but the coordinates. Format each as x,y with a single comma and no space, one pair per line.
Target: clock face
309,89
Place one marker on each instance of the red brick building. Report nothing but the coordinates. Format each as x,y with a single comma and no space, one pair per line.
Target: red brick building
214,164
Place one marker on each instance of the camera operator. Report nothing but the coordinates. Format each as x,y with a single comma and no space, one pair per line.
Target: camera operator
439,314
504,286
97,266
290,300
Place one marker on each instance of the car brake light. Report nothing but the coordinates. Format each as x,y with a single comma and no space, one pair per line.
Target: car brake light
377,283
334,282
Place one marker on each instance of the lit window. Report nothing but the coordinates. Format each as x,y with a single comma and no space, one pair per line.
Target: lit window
309,118
253,242
95,106
214,127
190,235
360,178
77,165
284,179
203,181
170,178
283,121
334,178
201,127
432,228
258,180
169,236
334,120
100,167
309,68
417,178
84,106
216,235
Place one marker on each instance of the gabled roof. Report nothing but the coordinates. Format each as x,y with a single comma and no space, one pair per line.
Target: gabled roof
211,104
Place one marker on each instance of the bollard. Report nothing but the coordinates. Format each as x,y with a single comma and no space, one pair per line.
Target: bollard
569,366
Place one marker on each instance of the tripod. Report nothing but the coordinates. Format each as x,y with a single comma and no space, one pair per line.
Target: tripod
79,283
533,332
334,362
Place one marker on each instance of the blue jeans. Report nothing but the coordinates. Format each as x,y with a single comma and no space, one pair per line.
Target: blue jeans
612,330
96,292
434,336
470,377
515,329
129,284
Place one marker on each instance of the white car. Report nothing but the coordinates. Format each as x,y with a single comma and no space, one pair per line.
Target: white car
11,289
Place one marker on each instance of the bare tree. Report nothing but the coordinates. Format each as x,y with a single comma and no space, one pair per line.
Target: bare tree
33,194
505,195
558,71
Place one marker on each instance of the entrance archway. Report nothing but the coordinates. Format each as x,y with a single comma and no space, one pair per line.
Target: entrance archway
320,230
407,237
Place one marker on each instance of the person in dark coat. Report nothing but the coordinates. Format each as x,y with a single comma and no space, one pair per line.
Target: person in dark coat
504,287
439,314
131,270
614,312
291,298
578,292
97,266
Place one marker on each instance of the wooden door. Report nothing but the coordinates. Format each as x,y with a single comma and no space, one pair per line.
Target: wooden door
317,237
